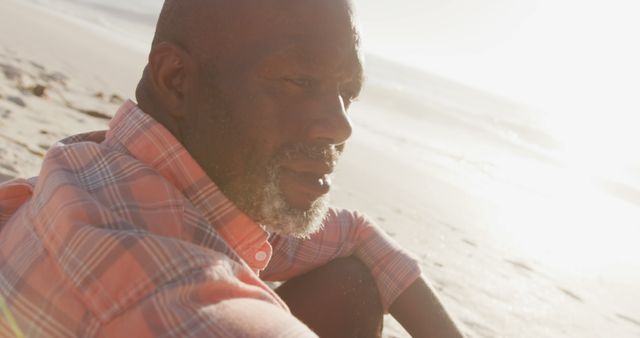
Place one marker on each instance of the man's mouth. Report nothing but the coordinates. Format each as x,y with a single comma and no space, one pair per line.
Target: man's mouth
314,183
303,182
304,173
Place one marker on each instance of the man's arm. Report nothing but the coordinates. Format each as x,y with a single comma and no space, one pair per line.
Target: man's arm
346,234
421,313
195,306
403,292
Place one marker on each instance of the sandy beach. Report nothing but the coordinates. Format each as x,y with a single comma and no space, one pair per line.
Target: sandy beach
464,180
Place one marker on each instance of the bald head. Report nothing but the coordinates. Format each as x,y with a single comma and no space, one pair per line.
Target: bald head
181,20
198,24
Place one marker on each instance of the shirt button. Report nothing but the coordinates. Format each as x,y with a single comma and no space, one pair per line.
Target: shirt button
261,256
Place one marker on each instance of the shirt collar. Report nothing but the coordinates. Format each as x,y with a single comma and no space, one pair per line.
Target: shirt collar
148,141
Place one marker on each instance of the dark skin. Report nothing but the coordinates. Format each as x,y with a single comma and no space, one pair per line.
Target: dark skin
272,87
239,80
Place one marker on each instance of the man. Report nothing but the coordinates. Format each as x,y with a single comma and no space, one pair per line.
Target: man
215,181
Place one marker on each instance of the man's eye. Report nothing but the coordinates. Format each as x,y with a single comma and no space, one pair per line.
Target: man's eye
301,82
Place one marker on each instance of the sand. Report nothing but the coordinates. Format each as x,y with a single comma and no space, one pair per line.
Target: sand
415,190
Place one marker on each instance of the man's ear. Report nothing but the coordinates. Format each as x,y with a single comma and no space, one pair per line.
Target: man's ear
168,67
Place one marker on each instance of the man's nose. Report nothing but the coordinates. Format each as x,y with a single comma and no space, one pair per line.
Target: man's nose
331,124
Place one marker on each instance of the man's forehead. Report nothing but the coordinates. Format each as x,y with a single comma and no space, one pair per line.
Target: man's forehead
318,39
339,60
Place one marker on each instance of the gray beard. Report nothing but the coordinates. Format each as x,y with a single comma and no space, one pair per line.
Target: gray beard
259,195
277,216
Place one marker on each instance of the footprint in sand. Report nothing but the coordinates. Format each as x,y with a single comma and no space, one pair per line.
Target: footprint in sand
5,178
470,243
93,113
450,226
479,329
116,99
55,77
520,266
8,167
10,72
17,100
628,319
37,65
570,294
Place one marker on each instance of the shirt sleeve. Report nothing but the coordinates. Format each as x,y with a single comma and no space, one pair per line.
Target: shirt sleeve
185,309
346,233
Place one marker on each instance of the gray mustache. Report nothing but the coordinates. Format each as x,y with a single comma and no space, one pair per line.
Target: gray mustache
307,151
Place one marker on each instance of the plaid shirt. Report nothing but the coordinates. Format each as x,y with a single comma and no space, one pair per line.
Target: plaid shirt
123,234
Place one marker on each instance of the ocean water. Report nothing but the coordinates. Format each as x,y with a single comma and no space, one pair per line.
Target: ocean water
567,200
132,21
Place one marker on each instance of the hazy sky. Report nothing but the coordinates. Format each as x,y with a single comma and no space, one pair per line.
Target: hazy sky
528,49
577,60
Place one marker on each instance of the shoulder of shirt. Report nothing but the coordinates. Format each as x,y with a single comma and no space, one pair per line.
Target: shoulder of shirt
345,216
108,189
81,161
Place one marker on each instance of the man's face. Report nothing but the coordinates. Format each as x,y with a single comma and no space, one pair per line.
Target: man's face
267,116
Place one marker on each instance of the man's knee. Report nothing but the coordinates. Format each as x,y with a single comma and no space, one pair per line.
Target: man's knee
343,276
351,277
339,299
